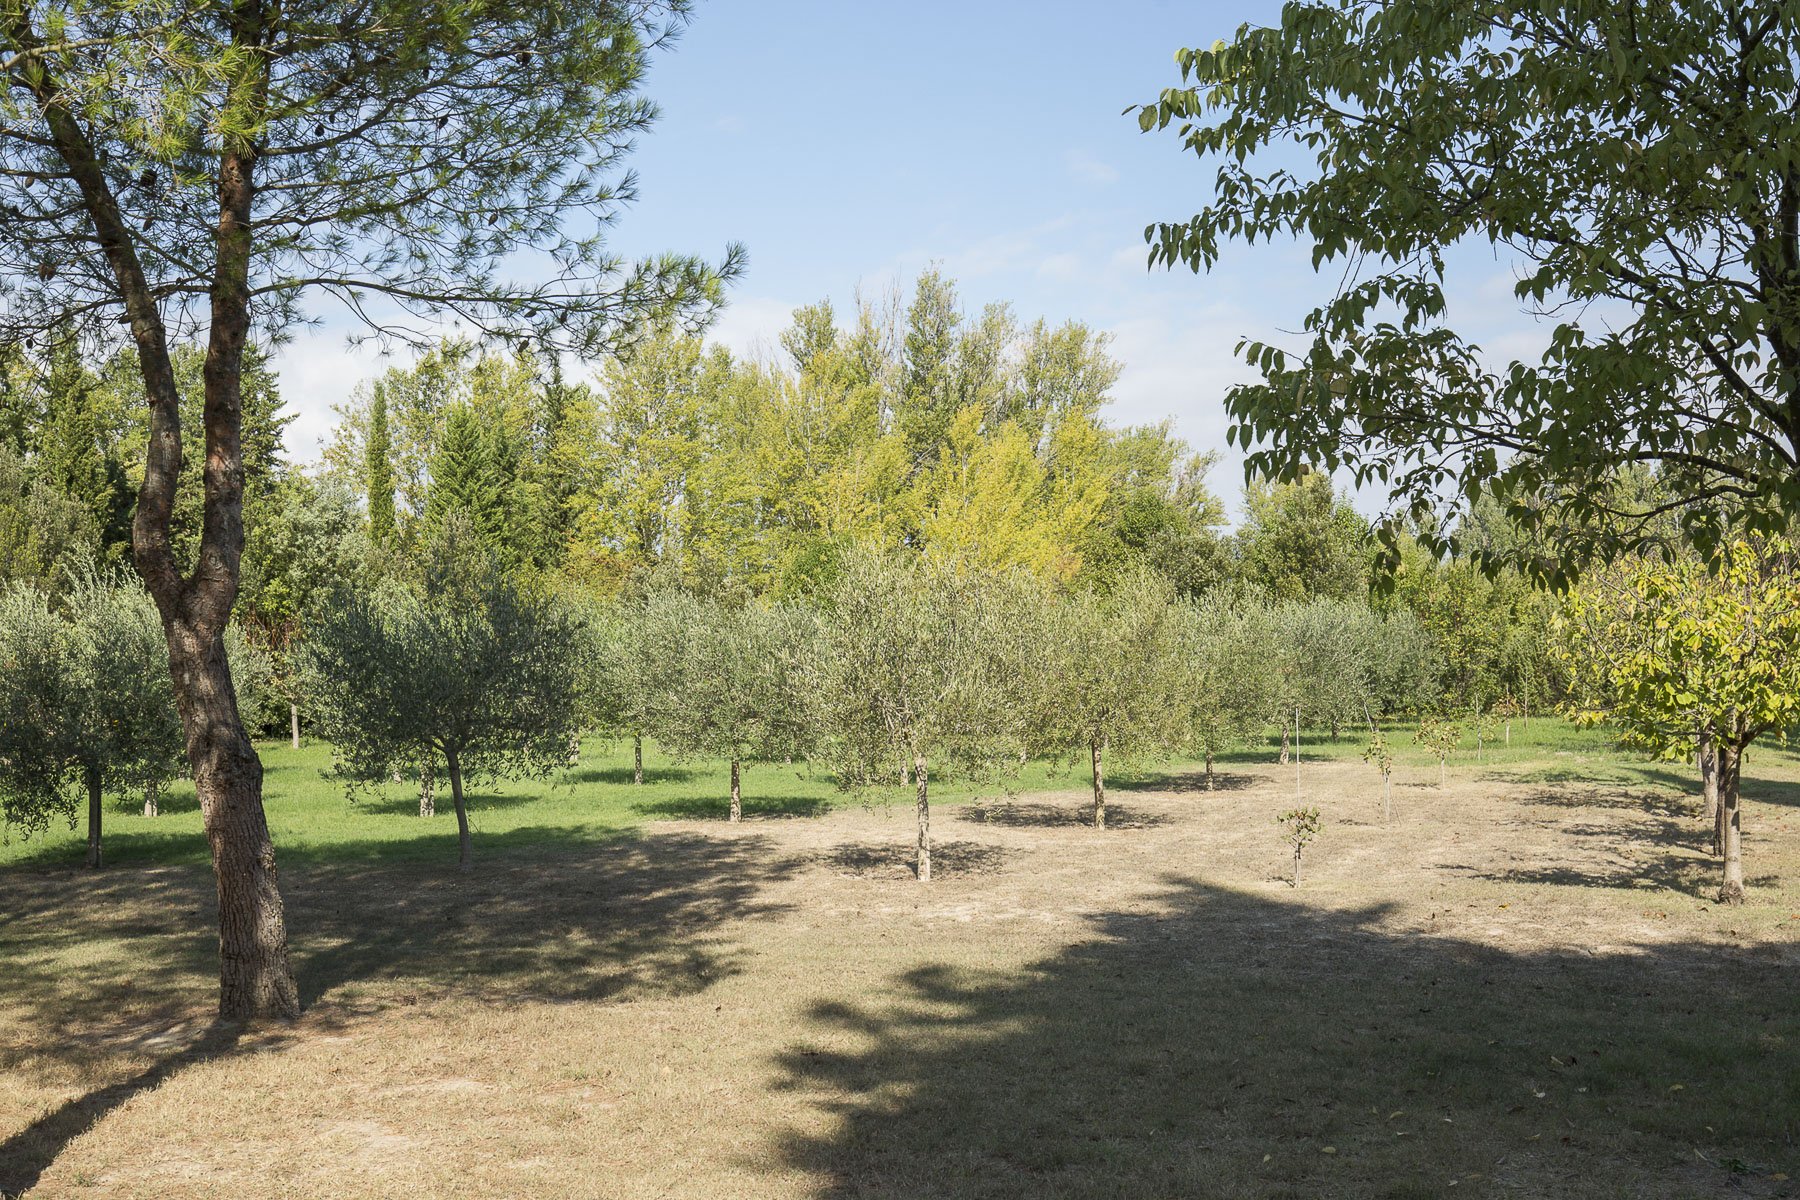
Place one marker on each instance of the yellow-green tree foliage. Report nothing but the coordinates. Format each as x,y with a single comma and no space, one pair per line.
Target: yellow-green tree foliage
1664,650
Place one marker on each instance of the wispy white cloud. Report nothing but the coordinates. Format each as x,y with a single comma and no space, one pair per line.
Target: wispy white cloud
1086,168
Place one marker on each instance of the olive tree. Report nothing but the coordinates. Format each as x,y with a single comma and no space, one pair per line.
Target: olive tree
213,171
1114,684
733,687
1228,686
464,664
85,703
922,660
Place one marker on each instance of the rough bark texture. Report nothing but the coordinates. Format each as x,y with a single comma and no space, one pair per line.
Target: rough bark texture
924,821
94,815
294,723
427,787
255,979
1284,743
1731,891
1098,750
637,758
737,796
462,811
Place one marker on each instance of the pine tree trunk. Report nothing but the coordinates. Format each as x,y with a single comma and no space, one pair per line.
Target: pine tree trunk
637,758
737,797
94,816
255,976
1709,787
924,868
1097,749
294,723
428,786
1212,783
462,811
1731,891
152,798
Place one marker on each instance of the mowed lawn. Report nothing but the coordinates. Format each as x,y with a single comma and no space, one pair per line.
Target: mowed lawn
1517,987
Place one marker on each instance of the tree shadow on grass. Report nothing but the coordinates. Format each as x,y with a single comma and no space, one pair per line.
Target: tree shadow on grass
1217,1043
1018,814
1182,783
394,801
624,775
707,808
948,858
545,914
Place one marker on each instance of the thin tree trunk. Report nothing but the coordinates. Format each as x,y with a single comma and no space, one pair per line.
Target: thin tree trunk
428,786
1508,733
1097,749
1443,771
1284,741
294,723
462,810
1709,787
1387,796
94,816
905,773
152,797
919,775
737,796
1212,783
574,749
1296,753
1731,891
1296,866
637,758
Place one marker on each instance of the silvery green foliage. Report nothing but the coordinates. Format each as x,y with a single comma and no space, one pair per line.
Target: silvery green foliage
731,683
920,659
463,660
84,687
1228,650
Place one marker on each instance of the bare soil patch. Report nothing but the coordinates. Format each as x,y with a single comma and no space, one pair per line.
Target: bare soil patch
1519,987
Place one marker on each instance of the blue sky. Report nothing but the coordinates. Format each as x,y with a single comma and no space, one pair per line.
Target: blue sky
854,143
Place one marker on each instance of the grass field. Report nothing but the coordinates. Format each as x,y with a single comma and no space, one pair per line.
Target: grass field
1519,987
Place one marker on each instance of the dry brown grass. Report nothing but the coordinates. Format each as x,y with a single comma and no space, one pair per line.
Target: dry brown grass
1518,988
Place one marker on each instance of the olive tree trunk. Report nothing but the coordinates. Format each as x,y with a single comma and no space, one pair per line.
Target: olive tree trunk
1284,741
94,814
1731,890
574,749
294,724
1387,796
1212,783
637,758
737,796
152,797
919,777
1097,748
462,810
428,786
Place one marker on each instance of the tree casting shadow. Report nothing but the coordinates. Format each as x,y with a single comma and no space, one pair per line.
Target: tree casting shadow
1233,1045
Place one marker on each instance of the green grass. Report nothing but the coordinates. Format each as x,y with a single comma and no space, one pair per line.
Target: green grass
313,820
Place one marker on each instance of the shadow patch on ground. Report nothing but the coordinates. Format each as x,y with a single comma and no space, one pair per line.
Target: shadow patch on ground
1181,783
709,808
1020,814
947,859
1261,1048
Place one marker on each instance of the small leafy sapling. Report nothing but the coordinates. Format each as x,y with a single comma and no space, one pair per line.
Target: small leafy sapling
1440,737
1381,756
1300,826
1504,710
